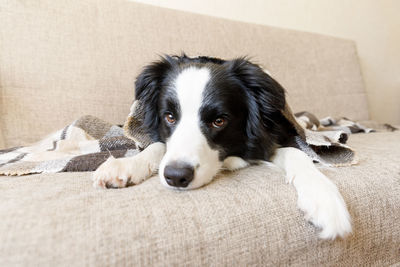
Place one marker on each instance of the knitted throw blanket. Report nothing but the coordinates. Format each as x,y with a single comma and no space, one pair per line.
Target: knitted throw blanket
89,141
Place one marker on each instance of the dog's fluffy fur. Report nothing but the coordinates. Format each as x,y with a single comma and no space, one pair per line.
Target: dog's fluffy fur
204,114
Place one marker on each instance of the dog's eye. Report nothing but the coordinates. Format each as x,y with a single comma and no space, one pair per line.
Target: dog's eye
218,122
170,118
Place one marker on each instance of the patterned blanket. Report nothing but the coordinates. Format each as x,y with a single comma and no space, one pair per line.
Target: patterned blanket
89,141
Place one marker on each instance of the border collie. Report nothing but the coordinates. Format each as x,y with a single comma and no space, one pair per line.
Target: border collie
205,114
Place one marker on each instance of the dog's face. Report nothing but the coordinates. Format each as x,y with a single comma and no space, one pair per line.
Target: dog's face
206,110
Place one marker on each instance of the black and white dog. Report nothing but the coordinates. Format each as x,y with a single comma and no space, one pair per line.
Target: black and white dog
206,114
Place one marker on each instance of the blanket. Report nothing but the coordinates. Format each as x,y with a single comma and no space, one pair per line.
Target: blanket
87,142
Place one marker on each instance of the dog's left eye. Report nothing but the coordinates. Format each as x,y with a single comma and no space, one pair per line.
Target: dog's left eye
170,118
218,123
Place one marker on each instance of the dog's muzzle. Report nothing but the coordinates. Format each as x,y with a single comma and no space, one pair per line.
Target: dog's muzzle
178,174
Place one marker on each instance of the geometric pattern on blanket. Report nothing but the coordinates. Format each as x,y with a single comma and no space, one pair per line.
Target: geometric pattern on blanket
80,146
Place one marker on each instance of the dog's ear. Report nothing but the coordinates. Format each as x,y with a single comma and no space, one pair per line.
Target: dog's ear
266,98
268,93
143,121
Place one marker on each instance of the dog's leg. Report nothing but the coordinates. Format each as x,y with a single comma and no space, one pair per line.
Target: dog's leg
116,173
318,197
234,163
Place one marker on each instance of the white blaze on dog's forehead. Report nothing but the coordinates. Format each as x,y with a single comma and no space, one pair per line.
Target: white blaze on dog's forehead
187,143
189,85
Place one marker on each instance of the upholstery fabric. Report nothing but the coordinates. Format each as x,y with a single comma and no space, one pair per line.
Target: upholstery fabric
243,218
63,59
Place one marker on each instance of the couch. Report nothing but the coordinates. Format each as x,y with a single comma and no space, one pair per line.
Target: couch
62,59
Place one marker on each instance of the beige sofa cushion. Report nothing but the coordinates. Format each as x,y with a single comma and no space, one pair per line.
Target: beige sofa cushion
244,218
63,59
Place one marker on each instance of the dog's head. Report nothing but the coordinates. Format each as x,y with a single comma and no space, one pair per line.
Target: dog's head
205,110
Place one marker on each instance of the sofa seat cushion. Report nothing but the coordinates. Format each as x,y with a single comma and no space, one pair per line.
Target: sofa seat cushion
242,218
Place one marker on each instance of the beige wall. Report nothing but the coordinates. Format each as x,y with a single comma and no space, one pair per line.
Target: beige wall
373,24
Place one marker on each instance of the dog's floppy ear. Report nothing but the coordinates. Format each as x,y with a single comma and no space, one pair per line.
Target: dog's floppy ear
266,98
268,93
142,122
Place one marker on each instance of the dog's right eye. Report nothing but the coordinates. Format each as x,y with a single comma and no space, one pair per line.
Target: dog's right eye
170,118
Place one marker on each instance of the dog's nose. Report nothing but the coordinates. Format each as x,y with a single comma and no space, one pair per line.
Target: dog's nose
178,175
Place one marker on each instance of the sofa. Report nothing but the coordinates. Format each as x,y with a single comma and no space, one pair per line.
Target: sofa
63,59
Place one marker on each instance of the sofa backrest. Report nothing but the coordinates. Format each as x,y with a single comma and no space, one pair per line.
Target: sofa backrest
60,60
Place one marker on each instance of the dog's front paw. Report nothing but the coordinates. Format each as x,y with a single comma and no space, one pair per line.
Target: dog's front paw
323,205
111,174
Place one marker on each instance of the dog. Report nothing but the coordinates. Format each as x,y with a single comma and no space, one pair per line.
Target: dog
206,114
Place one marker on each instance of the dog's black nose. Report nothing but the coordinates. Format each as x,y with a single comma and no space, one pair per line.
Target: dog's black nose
178,175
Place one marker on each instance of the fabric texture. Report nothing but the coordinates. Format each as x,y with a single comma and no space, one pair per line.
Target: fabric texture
81,146
243,218
89,141
66,58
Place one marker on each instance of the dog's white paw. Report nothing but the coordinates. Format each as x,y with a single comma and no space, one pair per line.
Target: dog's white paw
322,204
234,163
111,174
117,173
